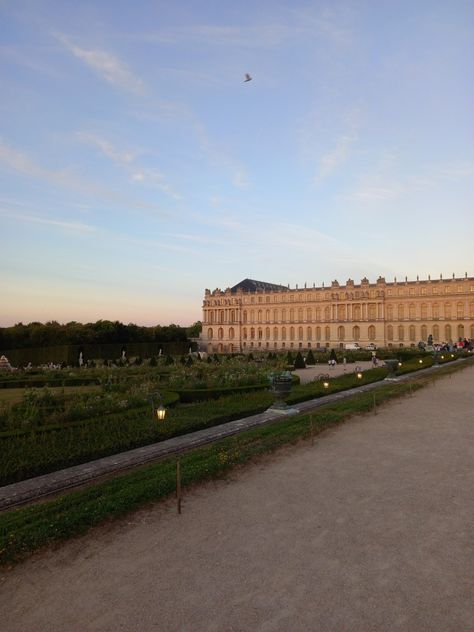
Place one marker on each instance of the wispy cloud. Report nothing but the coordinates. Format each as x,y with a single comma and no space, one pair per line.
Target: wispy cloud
119,156
106,66
18,161
155,178
336,157
76,227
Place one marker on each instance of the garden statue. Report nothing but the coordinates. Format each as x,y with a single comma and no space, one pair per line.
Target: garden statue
81,360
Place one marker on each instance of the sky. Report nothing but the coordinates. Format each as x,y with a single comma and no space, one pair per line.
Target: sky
138,168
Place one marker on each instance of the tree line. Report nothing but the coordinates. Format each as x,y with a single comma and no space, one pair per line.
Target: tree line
52,333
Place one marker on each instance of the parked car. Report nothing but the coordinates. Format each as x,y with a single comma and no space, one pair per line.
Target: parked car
354,346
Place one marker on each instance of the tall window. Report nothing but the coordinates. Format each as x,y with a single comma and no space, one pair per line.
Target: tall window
435,309
300,314
436,333
424,332
260,333
447,310
267,315
372,311
460,331
309,314
447,333
356,312
283,315
245,317
275,333
356,333
401,312
308,333
341,333
300,333
424,311
390,332
412,311
220,333
275,315
252,333
292,315
318,313
259,315
318,333
283,333
327,313
412,333
341,312
210,334
292,333
371,332
231,333
390,311
460,310
244,333
327,333
267,333
401,332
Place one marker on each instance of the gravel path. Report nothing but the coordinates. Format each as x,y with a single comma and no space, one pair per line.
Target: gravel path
370,529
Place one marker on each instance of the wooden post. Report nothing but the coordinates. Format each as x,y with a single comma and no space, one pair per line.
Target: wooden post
178,484
311,429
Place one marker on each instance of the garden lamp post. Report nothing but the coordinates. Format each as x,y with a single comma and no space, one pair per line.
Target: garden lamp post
160,411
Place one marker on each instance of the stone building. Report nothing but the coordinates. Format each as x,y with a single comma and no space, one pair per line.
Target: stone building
259,316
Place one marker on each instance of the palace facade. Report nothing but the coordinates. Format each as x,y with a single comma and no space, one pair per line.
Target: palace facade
259,316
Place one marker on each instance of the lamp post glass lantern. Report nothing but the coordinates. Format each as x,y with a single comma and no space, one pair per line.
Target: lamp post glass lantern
157,411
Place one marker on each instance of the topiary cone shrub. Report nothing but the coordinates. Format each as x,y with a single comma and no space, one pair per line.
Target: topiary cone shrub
299,361
310,358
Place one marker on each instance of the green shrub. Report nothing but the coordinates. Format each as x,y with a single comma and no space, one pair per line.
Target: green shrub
299,361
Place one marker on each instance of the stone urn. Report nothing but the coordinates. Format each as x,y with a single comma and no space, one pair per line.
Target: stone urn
392,366
280,385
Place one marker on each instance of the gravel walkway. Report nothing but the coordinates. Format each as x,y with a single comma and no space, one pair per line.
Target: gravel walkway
370,529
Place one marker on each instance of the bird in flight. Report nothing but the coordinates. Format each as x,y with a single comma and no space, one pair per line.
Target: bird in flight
247,77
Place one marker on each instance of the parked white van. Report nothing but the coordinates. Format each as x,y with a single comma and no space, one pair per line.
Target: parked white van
354,346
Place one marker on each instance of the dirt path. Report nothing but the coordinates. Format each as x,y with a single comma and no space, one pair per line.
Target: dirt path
371,529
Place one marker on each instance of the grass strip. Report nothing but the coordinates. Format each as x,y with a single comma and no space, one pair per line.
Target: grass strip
26,530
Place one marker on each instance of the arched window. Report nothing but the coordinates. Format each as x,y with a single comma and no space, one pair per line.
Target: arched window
460,331
309,314
210,333
283,315
252,333
232,315
275,315
447,333
412,333
245,317
356,333
327,333
390,332
267,333
401,312
435,309
300,314
275,333
318,333
401,332
283,333
292,315
341,333
424,332
308,333
260,333
252,316
356,312
318,313
292,333
220,333
371,332
412,311
259,315
436,333
390,311
231,333
424,311
300,333
267,315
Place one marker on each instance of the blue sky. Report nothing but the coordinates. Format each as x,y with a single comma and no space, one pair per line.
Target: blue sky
137,168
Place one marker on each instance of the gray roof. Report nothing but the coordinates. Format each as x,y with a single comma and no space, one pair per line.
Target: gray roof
250,285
